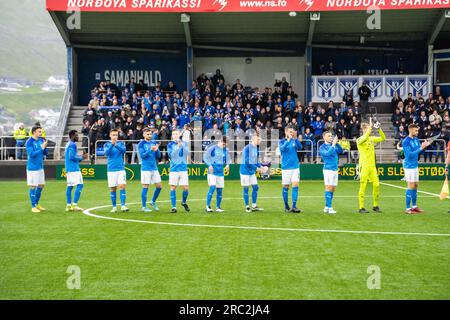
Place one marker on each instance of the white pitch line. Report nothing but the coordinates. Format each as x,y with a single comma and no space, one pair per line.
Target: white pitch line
88,213
403,188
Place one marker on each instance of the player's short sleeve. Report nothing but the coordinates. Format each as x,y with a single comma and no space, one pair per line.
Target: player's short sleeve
448,146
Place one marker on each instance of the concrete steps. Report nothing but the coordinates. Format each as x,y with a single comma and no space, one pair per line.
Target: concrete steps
75,121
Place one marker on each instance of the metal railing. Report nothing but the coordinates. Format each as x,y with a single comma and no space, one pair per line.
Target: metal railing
63,117
269,152
437,149
10,151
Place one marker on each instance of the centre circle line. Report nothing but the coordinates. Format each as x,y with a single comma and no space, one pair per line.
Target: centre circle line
88,212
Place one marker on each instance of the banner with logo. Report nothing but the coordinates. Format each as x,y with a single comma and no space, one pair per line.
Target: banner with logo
382,87
239,5
348,84
418,85
119,67
375,86
307,172
395,85
327,88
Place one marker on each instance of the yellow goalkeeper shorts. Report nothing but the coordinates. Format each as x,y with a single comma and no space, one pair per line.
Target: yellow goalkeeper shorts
368,174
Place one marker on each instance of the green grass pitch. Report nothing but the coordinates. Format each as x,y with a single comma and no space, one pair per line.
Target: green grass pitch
133,260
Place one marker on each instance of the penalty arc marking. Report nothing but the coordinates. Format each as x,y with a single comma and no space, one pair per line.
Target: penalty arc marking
212,226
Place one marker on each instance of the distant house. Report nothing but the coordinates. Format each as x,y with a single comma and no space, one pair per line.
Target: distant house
11,82
55,83
10,86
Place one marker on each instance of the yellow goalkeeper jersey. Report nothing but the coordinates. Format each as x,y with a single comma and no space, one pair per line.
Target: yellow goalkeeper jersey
366,147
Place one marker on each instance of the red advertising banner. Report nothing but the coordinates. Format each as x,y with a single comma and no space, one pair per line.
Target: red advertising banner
238,5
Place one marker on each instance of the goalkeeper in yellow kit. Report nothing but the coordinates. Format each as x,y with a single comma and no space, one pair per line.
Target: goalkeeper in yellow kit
367,166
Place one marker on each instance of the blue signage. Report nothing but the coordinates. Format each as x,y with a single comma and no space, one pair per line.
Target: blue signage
119,67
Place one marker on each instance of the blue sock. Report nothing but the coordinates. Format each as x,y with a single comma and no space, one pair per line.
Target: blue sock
69,194
113,198
408,198
255,189
219,197
328,199
156,194
294,197
77,195
144,197
185,195
123,197
38,194
33,197
173,198
286,197
209,195
245,195
414,198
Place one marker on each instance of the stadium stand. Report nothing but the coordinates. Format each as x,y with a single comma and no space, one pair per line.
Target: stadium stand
227,106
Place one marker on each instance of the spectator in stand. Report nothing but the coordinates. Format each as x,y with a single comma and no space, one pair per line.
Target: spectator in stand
364,95
20,135
131,86
395,100
164,138
90,114
445,133
410,99
342,129
435,118
348,98
355,128
396,120
330,125
422,122
428,151
128,144
171,87
410,115
330,69
284,85
309,146
400,135
318,126
218,80
237,86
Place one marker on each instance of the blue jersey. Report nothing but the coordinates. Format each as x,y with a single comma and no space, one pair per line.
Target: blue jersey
288,150
148,156
411,149
115,156
71,157
35,154
250,160
330,156
218,158
178,156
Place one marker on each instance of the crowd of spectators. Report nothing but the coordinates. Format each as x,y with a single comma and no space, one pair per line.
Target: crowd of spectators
432,117
223,106
219,105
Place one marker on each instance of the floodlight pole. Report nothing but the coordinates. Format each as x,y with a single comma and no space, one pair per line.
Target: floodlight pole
185,19
313,18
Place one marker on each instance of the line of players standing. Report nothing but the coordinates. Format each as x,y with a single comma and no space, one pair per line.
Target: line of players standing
217,159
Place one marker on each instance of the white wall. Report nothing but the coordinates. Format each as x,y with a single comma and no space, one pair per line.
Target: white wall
260,73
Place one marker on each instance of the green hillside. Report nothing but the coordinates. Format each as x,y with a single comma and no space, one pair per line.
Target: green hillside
31,47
